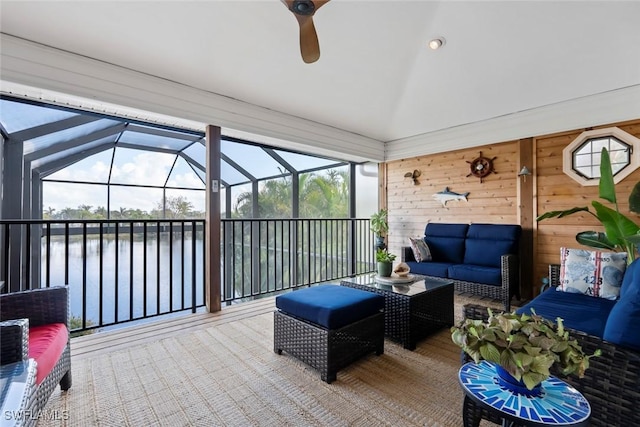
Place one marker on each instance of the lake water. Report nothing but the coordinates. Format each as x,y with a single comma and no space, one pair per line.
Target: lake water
165,286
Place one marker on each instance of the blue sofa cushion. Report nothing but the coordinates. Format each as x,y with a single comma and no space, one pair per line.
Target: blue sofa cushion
486,243
430,268
475,273
446,241
622,325
579,311
331,306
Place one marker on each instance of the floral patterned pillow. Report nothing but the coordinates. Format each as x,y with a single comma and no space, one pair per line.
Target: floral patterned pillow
420,249
594,273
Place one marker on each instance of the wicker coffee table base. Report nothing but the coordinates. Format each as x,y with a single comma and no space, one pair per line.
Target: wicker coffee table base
409,319
328,350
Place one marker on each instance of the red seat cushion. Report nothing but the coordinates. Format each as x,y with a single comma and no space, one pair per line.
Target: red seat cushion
46,344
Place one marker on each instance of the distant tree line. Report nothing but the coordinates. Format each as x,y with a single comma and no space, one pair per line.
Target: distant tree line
320,196
177,207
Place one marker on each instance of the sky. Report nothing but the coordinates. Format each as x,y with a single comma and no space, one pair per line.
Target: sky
129,167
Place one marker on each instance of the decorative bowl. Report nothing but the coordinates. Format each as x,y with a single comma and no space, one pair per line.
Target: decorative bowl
402,269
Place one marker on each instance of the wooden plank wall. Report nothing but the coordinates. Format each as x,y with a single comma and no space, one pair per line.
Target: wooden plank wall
556,191
495,200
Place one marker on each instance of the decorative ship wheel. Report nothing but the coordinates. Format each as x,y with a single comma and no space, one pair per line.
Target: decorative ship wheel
481,166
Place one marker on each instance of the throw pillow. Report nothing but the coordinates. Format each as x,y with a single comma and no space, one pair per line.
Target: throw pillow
420,249
622,324
593,273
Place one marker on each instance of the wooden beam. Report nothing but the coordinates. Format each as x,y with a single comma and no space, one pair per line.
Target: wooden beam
212,227
526,216
382,186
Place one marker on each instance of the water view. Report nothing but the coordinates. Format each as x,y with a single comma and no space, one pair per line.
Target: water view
128,279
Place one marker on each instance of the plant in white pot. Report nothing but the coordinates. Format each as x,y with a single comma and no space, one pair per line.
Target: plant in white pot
385,262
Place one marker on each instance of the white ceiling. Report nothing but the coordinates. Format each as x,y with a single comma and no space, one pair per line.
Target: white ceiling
375,76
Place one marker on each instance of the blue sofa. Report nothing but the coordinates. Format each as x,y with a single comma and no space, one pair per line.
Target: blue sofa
612,382
481,259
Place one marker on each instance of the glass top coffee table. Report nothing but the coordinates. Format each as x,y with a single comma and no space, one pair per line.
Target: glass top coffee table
413,310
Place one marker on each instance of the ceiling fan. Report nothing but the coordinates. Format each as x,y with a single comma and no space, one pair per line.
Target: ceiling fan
303,10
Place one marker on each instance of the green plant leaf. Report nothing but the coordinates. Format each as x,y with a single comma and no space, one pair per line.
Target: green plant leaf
562,214
541,364
505,324
616,225
595,239
523,360
606,186
532,379
634,199
490,352
508,362
634,238
459,337
518,341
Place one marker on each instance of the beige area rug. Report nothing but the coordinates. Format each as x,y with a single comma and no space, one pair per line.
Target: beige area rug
228,375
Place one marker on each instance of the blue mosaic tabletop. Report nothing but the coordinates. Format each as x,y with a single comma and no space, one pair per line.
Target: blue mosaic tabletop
558,404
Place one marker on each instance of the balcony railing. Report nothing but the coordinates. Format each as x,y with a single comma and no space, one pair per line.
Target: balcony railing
123,271
261,256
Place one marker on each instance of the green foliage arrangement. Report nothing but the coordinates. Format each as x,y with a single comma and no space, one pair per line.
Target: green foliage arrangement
621,233
382,255
379,223
524,345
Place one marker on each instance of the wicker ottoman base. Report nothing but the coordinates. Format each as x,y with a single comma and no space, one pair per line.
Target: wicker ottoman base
328,350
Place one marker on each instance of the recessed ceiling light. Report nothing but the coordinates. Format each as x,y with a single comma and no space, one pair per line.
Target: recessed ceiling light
436,43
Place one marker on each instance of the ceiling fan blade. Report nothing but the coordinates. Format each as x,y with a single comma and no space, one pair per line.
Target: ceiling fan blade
309,45
304,10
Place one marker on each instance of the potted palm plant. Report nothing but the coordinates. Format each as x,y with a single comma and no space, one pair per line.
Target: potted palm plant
524,347
385,262
379,226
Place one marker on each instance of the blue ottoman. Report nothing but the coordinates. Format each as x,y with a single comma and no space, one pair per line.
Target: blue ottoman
329,326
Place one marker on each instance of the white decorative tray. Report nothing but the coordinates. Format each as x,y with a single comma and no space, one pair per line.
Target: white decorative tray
396,280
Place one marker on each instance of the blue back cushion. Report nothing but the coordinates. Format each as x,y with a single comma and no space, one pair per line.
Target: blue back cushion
486,243
446,241
580,312
622,325
331,306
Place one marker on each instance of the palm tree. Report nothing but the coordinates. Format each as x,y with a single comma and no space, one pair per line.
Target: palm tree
100,212
84,211
49,213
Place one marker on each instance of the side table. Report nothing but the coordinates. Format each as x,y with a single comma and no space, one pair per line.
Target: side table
558,404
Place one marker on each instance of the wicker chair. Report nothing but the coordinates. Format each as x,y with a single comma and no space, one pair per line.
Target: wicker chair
611,384
37,307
